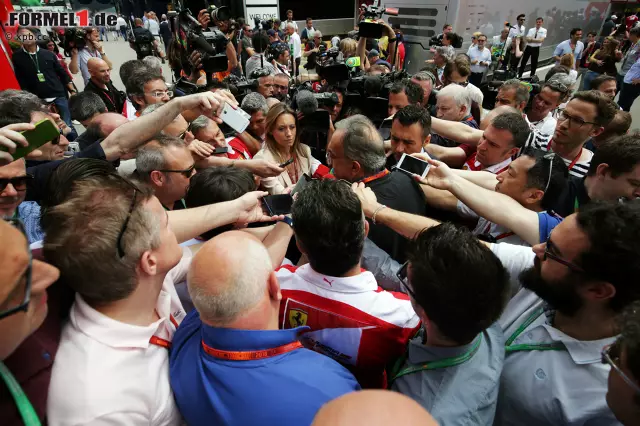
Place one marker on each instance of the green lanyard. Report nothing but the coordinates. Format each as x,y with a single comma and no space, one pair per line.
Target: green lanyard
36,62
509,348
28,414
442,363
576,205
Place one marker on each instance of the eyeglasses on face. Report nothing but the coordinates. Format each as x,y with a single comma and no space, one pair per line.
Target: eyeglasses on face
188,129
549,253
402,275
186,172
573,120
160,93
23,306
19,183
611,355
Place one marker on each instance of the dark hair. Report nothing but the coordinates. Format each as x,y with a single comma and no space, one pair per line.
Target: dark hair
602,78
558,69
520,16
445,26
635,31
412,114
538,175
135,83
540,18
574,31
85,105
455,39
460,64
217,185
619,126
459,306
329,226
593,33
605,108
414,92
16,106
260,42
622,155
515,124
630,338
308,19
613,230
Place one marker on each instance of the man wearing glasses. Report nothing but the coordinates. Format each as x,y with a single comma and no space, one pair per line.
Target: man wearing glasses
147,87
568,295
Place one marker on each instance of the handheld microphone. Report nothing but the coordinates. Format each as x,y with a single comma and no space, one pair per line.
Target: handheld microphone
353,62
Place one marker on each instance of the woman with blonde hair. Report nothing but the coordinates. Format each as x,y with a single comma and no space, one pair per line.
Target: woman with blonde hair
603,61
568,60
282,145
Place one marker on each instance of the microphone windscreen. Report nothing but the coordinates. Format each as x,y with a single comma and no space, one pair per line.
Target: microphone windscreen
372,85
307,103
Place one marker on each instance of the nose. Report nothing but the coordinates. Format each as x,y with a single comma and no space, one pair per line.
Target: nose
63,141
9,191
165,97
500,177
539,249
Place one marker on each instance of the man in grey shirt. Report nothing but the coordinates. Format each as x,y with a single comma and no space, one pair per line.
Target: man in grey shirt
631,56
452,367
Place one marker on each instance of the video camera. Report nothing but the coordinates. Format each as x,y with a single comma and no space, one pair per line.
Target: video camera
368,27
143,44
491,88
240,86
73,39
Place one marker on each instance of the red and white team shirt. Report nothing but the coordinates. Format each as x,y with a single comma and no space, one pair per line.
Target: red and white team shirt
473,164
352,320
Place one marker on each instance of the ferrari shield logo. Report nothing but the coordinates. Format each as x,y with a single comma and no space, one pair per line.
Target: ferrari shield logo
297,318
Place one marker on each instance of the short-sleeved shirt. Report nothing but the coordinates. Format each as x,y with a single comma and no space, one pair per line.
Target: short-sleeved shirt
536,33
565,47
109,372
547,387
543,142
83,57
465,394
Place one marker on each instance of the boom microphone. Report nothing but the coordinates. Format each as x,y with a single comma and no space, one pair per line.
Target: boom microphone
307,103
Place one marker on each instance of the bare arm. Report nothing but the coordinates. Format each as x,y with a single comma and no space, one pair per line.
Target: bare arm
458,132
231,56
440,199
73,64
453,156
252,143
277,243
485,180
360,51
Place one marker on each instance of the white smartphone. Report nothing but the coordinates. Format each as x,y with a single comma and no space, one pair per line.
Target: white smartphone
413,166
236,118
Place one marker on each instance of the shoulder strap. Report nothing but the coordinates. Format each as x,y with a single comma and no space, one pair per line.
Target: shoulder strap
28,414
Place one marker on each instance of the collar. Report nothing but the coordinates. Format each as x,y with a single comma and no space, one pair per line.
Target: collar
581,351
27,52
363,282
230,339
495,169
533,123
420,354
114,333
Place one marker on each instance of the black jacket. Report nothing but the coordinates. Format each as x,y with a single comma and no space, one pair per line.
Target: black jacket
113,98
26,70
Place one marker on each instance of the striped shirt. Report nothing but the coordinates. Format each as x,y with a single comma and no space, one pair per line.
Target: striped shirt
543,142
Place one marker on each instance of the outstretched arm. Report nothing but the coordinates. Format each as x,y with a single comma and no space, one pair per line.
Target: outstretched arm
458,132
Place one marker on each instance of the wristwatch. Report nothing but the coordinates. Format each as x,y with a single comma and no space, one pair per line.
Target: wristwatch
288,221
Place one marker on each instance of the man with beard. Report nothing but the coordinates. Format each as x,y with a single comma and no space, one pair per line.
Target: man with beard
280,87
564,311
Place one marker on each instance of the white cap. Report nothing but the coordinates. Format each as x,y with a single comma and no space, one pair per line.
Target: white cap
614,17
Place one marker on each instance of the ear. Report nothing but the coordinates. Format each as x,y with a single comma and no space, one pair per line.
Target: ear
274,287
596,132
514,151
427,140
366,228
533,196
157,178
523,105
355,168
148,263
598,291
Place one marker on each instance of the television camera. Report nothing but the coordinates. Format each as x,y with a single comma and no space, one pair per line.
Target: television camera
368,26
74,38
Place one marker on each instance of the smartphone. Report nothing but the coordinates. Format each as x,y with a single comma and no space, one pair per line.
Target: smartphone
385,128
286,163
302,183
44,132
221,150
236,118
413,166
278,204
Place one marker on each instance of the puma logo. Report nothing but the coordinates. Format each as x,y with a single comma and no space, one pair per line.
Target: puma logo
328,282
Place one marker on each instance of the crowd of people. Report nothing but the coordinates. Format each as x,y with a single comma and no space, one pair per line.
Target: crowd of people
163,268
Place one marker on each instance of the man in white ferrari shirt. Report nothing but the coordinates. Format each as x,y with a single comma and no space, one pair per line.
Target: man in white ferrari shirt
352,320
123,260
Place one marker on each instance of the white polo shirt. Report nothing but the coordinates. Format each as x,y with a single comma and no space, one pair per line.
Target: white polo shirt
108,373
547,387
546,126
537,33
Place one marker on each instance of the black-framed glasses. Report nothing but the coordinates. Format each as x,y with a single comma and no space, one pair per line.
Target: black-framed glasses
549,156
126,224
24,305
579,122
186,172
402,275
548,252
18,182
188,129
611,355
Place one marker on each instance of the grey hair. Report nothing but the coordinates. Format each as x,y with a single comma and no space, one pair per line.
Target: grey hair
153,63
243,289
362,143
522,90
253,103
151,108
200,123
151,156
290,25
458,93
446,51
424,76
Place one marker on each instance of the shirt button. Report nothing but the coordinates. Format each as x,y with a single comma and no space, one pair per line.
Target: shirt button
540,374
46,355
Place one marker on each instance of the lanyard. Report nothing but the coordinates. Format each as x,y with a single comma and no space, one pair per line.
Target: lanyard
374,177
250,355
499,237
36,61
435,365
555,346
159,341
27,412
574,161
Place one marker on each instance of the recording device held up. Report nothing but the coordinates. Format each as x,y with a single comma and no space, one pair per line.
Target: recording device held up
73,39
368,26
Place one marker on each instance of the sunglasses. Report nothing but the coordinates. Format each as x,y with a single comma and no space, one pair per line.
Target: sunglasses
611,355
186,172
19,183
24,305
402,275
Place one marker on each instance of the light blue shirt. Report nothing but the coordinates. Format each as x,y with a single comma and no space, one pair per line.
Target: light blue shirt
465,394
633,73
547,387
565,47
29,214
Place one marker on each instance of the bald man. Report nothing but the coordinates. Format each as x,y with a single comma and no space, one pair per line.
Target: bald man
229,362
101,84
100,127
373,408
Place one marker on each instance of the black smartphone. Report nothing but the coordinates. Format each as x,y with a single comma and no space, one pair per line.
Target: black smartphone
286,163
278,204
221,150
413,166
300,185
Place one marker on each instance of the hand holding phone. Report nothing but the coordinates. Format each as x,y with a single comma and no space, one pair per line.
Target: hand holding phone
235,117
413,166
43,132
278,204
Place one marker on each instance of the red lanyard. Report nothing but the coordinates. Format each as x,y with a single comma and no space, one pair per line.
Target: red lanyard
374,177
499,237
159,341
251,355
109,97
575,160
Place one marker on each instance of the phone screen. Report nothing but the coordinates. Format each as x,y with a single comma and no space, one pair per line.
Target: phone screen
278,204
413,165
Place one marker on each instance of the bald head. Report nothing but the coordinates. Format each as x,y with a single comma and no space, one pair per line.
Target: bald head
491,115
99,71
108,122
229,279
373,408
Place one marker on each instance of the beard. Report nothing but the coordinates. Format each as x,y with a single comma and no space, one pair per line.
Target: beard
561,295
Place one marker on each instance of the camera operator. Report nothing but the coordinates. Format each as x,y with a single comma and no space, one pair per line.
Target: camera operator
93,49
437,40
260,43
228,28
311,50
246,46
265,81
143,41
281,57
336,109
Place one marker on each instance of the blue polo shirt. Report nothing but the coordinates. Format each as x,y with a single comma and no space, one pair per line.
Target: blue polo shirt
286,389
